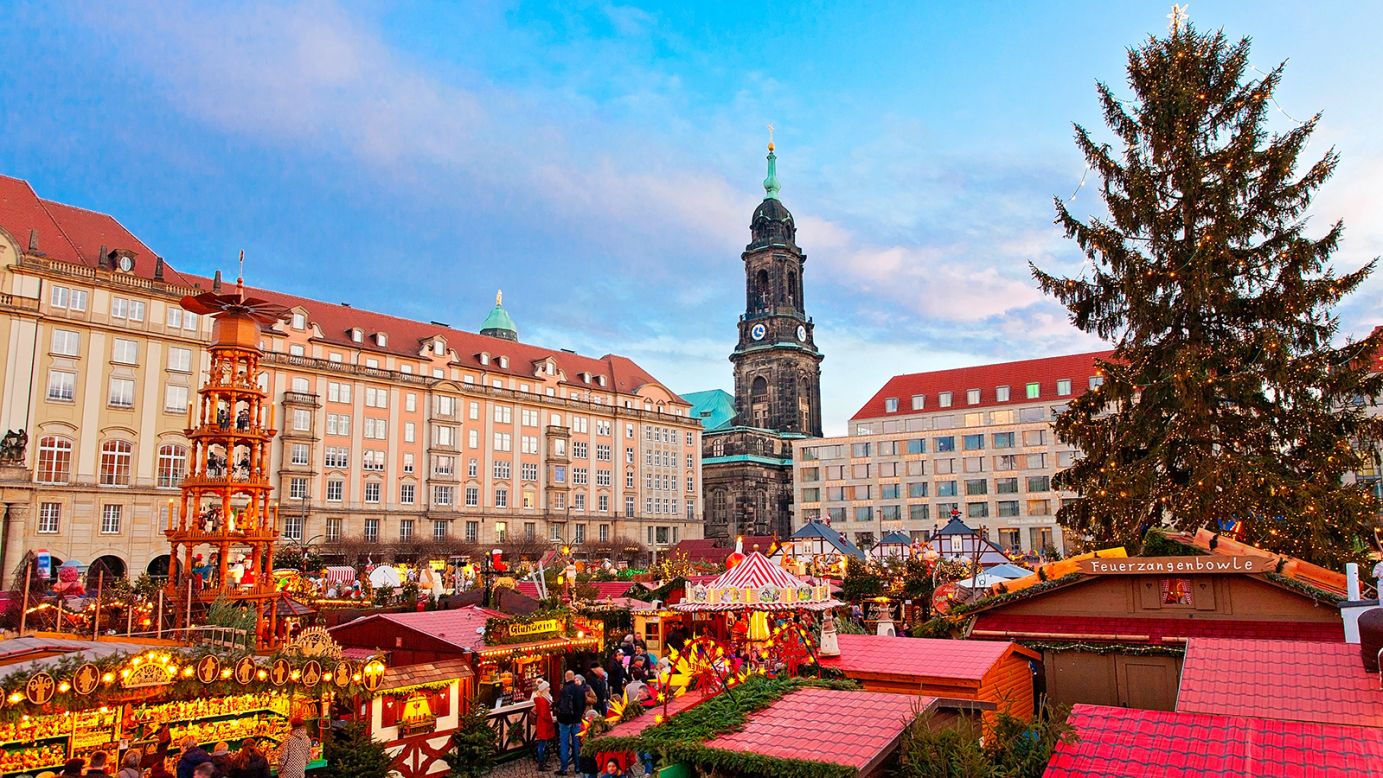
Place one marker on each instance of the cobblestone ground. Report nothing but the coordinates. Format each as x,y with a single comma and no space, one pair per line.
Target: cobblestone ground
527,768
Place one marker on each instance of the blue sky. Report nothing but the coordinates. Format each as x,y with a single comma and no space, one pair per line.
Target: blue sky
600,162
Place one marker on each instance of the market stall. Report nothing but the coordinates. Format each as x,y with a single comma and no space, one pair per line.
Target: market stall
81,697
416,710
742,598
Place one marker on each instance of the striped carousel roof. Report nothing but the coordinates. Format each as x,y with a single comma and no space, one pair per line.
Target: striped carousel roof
753,572
756,584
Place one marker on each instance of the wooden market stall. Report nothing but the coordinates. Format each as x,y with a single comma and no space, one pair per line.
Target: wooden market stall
1113,629
416,710
88,696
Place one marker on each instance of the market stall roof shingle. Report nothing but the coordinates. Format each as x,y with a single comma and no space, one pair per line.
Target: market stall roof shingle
850,728
920,658
1121,742
756,584
1315,682
403,676
462,628
1127,629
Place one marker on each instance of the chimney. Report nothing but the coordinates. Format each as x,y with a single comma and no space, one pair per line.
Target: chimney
103,258
216,282
158,268
33,240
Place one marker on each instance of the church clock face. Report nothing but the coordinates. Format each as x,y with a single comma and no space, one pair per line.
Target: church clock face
758,331
802,333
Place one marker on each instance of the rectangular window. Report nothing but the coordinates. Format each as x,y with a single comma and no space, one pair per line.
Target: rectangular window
917,489
336,489
410,432
1037,461
504,441
405,529
919,401
175,399
136,310
976,487
859,449
472,532
472,496
179,359
974,464
376,397
1006,462
1039,483
293,527
110,519
972,396
443,495
977,510
121,393
297,488
945,488
299,454
124,352
1065,459
372,530
1007,508
302,420
502,469
338,424
338,392
119,308
504,414
49,518
890,404
333,529
1003,417
372,491
439,530
174,317
1096,381
66,343
1003,440
917,446
376,429
501,498
944,466
337,458
410,400
945,443
944,400
1034,390
864,513
890,491
1006,485
1034,437
1001,394
920,512
1039,507
891,512
973,442
407,493
1063,387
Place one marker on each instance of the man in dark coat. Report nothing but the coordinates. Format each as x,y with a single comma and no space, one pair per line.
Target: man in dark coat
192,755
571,706
601,686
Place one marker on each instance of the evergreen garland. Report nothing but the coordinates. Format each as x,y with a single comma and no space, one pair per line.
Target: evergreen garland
1225,399
1131,649
1022,594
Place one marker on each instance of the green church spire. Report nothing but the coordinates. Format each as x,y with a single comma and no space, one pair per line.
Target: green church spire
771,183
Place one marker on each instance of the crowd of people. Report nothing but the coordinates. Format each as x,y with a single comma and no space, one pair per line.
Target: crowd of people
250,760
630,673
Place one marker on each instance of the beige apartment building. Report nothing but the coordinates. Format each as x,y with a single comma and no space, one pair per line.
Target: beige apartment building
390,430
976,440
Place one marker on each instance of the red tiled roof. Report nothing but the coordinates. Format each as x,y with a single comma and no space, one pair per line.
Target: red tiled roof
461,627
997,624
1015,375
412,675
605,590
1130,743
855,729
21,212
918,658
1317,682
637,725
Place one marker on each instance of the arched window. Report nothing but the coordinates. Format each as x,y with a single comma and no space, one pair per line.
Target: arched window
791,290
54,460
761,291
172,464
718,504
116,456
758,391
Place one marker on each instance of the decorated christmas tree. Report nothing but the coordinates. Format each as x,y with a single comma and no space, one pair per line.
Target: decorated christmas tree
1230,401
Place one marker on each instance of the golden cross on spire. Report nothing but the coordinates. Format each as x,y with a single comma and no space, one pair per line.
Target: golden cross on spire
770,136
1178,17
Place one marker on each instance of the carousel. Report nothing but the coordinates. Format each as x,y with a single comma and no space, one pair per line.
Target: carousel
738,603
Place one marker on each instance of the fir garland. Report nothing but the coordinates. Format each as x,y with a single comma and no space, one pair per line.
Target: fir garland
1105,648
682,738
1301,587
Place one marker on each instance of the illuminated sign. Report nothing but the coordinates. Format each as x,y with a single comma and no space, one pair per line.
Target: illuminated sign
1177,565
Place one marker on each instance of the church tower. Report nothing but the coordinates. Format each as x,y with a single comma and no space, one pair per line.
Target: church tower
777,365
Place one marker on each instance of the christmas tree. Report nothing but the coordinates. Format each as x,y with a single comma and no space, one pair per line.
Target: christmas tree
1226,403
352,753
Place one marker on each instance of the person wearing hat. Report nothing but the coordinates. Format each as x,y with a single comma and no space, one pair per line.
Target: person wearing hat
192,755
544,725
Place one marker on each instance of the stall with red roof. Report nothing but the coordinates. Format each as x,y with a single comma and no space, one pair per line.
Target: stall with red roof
739,601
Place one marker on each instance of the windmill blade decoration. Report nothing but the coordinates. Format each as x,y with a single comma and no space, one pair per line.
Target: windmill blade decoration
236,304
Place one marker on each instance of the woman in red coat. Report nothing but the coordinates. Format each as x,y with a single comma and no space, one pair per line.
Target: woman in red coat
544,725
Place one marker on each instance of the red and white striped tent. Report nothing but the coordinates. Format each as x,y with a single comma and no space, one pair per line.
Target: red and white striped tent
756,584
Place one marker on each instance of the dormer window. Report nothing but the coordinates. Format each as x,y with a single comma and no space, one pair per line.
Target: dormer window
551,369
484,358
585,378
122,261
357,335
439,348
299,321
600,379
503,361
381,339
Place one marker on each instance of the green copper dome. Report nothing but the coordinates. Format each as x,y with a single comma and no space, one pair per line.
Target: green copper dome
498,324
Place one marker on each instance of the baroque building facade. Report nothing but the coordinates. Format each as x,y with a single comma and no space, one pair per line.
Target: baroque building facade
392,431
747,446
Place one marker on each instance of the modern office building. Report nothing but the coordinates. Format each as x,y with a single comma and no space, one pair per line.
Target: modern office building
975,442
391,431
